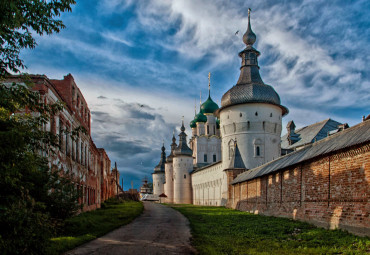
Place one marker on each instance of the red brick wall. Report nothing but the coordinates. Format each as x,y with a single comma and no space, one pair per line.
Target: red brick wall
332,191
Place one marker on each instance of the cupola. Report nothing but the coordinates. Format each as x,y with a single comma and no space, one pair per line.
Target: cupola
250,88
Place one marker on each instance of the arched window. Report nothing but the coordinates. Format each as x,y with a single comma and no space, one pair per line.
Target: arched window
205,157
234,127
184,176
214,157
256,114
258,153
207,129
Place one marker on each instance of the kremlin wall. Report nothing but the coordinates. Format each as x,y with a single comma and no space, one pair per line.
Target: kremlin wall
235,158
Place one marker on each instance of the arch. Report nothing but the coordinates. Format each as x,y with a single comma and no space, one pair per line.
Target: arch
258,152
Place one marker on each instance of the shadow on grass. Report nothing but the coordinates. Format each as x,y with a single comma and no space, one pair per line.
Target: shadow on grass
90,225
218,230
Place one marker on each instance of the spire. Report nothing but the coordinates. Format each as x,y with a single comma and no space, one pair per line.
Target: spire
209,84
115,165
249,71
182,126
195,107
173,147
182,148
160,166
249,38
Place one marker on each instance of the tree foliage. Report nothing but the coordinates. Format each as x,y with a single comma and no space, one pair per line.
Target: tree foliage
19,19
34,198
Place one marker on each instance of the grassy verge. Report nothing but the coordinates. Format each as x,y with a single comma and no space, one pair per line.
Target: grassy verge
90,225
218,230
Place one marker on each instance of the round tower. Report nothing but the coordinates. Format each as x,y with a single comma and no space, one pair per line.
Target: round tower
251,112
159,174
182,166
168,186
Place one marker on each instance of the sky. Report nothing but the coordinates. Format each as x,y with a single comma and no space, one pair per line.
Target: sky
142,64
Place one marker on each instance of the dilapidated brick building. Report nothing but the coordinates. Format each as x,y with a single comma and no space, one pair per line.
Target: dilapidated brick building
79,155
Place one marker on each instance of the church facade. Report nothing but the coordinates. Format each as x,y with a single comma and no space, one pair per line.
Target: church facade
241,134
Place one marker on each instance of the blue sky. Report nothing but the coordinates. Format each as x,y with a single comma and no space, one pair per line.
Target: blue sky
141,64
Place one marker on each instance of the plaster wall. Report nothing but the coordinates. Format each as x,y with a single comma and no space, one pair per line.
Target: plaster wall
252,126
207,185
158,183
168,186
182,166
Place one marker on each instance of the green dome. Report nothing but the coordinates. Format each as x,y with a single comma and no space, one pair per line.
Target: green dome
209,106
193,124
200,117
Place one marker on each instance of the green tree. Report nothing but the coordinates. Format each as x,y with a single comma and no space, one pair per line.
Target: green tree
34,199
19,19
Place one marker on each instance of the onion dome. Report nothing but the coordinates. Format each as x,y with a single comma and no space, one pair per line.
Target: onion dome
160,167
209,107
200,117
183,149
193,124
250,88
173,147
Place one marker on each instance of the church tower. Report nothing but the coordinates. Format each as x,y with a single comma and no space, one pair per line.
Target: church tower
168,186
182,166
250,113
205,141
158,175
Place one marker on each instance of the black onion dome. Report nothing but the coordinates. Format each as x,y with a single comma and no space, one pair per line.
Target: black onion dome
160,167
182,149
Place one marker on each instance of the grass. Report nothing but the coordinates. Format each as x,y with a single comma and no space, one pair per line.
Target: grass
218,230
90,225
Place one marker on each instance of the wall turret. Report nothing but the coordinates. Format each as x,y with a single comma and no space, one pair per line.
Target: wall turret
182,166
159,174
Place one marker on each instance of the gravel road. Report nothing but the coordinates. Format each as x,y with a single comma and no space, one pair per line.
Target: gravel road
159,230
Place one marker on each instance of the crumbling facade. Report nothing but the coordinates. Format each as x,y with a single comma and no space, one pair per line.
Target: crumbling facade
78,154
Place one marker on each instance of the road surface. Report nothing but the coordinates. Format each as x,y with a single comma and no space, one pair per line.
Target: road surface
159,230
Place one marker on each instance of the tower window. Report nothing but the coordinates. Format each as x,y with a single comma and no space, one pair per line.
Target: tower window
234,127
214,157
207,129
258,153
214,130
263,125
205,157
256,114
270,114
184,176
240,115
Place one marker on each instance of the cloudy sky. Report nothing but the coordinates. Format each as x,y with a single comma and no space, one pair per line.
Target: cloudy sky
141,64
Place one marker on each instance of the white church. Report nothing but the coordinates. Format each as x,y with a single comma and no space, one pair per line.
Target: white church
242,134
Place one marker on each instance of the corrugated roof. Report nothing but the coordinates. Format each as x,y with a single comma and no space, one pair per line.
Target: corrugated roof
308,134
349,137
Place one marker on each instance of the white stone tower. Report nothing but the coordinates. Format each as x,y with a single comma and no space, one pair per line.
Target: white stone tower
168,186
182,166
159,174
251,113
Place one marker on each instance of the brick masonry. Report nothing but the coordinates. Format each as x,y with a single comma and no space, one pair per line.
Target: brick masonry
330,191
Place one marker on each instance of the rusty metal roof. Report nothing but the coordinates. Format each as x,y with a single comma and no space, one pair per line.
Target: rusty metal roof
349,137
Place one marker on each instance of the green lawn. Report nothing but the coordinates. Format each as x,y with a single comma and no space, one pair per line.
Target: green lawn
218,230
90,225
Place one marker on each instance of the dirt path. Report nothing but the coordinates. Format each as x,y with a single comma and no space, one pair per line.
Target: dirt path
159,230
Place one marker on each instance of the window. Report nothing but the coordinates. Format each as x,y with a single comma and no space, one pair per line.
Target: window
270,114
207,129
184,176
256,114
258,151
240,115
214,157
205,157
214,130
